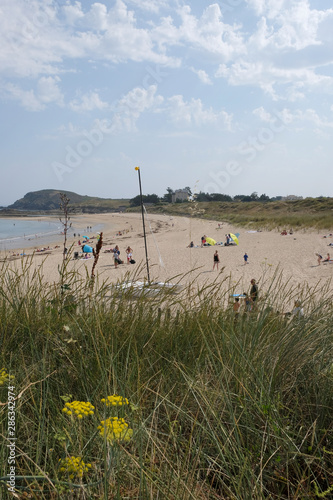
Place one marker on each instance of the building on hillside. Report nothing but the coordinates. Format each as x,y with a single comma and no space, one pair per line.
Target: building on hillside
180,195
292,197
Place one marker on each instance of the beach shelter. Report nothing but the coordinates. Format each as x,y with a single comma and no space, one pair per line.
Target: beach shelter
234,238
87,249
210,241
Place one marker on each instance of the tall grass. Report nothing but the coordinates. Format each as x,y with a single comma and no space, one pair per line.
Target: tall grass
221,407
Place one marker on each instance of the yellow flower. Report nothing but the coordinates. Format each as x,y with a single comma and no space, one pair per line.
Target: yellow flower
73,466
115,401
78,408
5,377
115,429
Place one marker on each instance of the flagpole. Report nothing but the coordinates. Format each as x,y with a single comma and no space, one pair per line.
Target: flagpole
143,221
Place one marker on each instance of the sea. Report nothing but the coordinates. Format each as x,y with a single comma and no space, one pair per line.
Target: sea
22,233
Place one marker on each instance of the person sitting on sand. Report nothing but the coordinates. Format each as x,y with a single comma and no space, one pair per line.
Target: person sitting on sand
216,260
328,258
191,245
297,312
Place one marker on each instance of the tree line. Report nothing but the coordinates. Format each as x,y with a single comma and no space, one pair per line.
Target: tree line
201,196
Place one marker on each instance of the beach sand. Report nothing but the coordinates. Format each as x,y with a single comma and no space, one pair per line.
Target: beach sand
167,239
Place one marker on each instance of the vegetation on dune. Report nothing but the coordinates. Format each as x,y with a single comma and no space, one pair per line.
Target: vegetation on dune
315,213
122,397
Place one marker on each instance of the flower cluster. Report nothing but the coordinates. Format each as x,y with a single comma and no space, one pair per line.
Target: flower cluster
115,401
115,429
79,409
73,467
5,377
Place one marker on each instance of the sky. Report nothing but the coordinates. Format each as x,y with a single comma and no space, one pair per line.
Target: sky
233,96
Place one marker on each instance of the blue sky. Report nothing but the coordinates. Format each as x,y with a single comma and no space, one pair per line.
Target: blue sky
232,96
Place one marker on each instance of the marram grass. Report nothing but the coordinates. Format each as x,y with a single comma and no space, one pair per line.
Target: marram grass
178,398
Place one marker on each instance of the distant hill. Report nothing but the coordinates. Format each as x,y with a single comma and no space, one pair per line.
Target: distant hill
49,200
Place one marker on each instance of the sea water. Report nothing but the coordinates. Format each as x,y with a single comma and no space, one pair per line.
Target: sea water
18,232
22,233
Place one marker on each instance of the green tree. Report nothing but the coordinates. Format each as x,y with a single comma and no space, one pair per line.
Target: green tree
168,196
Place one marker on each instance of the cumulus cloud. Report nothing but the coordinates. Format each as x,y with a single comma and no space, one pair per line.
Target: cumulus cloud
203,77
88,102
47,91
194,112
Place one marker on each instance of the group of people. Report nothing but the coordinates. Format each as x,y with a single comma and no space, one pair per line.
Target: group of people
116,256
250,301
216,260
320,258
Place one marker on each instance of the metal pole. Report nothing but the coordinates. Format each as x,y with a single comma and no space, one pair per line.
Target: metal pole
143,222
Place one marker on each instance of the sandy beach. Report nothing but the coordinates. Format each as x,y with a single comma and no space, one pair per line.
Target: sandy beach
168,238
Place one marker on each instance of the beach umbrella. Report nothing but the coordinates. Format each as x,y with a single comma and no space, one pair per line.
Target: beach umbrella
87,249
210,241
234,238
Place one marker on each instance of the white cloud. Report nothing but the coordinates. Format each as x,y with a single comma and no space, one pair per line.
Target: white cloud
193,112
47,92
88,102
209,34
149,5
262,114
269,77
130,107
26,98
203,77
297,116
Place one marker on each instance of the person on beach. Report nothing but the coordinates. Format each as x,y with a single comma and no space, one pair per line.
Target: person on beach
236,306
319,259
328,258
191,245
216,260
245,258
298,311
129,253
247,302
116,253
254,292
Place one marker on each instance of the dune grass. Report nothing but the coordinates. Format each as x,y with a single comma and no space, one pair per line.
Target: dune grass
220,407
310,213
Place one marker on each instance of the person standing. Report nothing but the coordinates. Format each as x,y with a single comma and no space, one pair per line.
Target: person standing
216,260
254,292
245,258
116,253
129,253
